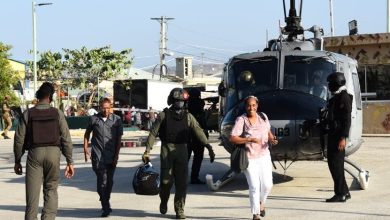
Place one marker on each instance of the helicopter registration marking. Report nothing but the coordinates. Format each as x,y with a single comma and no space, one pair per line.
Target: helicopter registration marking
282,132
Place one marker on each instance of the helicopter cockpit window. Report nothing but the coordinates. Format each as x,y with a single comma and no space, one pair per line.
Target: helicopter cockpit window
307,75
318,85
254,76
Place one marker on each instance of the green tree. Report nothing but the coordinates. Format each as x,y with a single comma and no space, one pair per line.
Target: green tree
8,76
50,66
89,66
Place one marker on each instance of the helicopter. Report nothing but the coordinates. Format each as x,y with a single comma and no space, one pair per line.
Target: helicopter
289,79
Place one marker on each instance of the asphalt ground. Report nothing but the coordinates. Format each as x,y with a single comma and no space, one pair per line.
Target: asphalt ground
299,194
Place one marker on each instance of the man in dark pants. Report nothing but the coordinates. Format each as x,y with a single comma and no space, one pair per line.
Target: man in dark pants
339,117
107,131
173,126
43,131
195,107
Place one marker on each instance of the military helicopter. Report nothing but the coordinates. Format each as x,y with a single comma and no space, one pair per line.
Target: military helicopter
289,79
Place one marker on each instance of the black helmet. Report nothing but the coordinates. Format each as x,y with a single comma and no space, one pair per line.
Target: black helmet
177,94
335,81
194,93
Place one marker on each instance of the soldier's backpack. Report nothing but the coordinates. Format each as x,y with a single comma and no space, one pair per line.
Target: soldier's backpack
146,180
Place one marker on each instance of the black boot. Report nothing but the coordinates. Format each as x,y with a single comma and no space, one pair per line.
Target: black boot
197,181
163,207
336,198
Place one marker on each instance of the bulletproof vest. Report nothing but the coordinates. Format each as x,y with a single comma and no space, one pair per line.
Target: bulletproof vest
43,127
174,128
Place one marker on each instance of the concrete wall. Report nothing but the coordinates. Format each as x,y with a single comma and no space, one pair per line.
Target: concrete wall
376,117
365,48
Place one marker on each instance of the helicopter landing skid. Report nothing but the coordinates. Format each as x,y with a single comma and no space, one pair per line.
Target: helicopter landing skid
285,166
227,177
362,177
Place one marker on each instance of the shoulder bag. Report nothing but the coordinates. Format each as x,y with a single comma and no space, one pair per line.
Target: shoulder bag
239,159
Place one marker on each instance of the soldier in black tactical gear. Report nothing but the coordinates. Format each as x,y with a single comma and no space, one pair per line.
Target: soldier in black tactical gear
339,119
196,108
174,126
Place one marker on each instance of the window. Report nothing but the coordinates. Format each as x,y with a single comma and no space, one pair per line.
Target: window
254,76
356,86
375,78
307,74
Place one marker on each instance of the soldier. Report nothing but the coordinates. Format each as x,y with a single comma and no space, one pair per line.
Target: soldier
174,125
339,117
7,117
195,107
43,131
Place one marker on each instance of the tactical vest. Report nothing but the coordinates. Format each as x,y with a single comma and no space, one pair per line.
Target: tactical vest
43,127
174,130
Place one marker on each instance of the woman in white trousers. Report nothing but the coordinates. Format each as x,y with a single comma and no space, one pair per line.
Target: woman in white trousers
253,130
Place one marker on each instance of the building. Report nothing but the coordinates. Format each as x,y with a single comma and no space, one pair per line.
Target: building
372,51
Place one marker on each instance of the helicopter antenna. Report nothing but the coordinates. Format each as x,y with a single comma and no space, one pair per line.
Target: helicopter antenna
293,26
280,35
300,9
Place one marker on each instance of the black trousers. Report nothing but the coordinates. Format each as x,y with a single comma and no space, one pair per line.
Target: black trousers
198,150
336,165
105,181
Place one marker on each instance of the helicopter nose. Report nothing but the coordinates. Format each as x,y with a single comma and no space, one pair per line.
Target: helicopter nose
290,105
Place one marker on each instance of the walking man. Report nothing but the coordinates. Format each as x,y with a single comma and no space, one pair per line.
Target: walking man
195,107
107,131
43,131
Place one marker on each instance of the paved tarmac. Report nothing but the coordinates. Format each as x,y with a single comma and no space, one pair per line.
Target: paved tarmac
298,195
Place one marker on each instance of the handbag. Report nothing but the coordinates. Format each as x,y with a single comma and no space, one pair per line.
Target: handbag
239,159
146,180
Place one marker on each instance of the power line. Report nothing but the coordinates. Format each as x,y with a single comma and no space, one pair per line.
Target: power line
209,48
147,67
204,34
207,61
196,55
143,57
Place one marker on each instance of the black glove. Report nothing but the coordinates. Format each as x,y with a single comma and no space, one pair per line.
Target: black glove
146,157
211,152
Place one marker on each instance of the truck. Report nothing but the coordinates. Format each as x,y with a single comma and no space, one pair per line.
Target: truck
143,93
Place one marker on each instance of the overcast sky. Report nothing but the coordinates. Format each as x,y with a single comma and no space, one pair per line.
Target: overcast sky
218,29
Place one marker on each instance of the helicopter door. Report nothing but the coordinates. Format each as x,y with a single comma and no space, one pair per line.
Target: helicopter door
356,116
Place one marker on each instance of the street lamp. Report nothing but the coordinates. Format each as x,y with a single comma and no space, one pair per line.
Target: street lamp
35,42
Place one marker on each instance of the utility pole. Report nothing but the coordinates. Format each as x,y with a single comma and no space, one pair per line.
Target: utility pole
34,23
202,64
331,18
388,16
163,38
